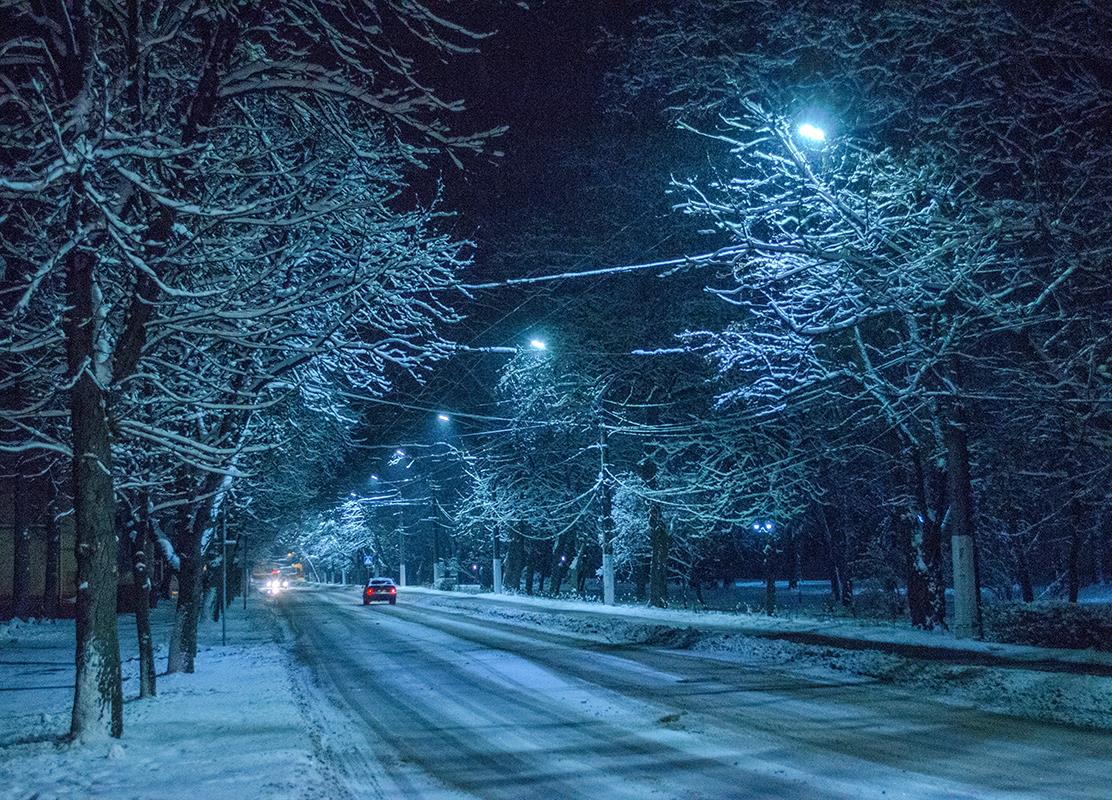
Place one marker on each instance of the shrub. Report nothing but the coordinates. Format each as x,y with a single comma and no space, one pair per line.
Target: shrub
1050,625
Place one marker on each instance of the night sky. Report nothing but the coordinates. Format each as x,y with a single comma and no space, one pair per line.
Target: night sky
542,76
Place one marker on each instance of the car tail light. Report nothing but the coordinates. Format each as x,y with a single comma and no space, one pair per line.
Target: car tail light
392,590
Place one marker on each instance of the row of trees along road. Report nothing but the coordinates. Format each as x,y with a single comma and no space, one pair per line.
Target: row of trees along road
909,352
207,233
932,275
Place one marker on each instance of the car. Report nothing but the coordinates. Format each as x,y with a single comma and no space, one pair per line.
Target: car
380,590
275,584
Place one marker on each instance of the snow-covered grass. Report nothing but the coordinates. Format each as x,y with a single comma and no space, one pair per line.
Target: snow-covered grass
1100,593
840,631
1028,682
235,728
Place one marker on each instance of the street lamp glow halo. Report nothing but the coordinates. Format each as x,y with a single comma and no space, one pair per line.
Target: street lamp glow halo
811,132
537,344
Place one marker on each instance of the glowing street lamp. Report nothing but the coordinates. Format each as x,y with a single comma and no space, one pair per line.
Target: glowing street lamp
443,418
812,133
537,344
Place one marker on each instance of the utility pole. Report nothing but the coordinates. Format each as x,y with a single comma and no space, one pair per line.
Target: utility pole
401,556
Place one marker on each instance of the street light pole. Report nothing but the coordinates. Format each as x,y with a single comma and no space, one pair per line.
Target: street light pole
768,551
401,556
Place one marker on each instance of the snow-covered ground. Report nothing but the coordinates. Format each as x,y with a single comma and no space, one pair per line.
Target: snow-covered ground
1098,593
253,722
1029,682
236,728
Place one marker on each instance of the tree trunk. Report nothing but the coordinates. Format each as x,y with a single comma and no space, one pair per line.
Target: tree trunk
21,548
966,589
1019,552
1104,548
562,559
926,597
841,587
218,605
606,519
98,694
1073,559
515,561
191,585
640,579
52,579
577,570
792,556
770,578
658,540
530,568
831,564
141,588
183,639
156,566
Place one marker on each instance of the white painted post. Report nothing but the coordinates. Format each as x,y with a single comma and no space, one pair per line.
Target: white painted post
497,576
401,574
608,579
965,587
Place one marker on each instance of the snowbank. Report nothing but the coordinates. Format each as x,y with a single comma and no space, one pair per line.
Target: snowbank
892,637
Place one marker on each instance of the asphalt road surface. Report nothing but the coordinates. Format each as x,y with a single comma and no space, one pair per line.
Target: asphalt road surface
437,704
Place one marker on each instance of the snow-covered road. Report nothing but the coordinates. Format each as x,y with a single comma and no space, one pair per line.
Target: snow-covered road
434,702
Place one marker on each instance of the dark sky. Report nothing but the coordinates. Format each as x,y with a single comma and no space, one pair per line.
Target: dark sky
541,74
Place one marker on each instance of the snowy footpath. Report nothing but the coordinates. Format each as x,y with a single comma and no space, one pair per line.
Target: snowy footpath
236,728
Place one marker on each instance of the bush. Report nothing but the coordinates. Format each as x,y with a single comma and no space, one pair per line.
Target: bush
1050,625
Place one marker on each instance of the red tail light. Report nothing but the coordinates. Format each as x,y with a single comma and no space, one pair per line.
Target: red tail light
392,590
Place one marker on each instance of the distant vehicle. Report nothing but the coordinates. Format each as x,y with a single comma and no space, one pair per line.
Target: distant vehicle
380,590
275,583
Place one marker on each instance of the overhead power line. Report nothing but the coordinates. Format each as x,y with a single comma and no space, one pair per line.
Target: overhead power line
671,263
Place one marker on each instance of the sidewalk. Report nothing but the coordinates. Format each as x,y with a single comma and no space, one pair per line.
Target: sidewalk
901,640
235,728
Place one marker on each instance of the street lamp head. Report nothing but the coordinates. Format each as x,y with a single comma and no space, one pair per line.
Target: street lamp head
399,453
537,344
443,418
812,133
374,477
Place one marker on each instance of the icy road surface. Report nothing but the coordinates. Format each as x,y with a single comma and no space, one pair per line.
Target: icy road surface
433,703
